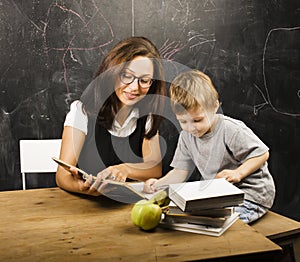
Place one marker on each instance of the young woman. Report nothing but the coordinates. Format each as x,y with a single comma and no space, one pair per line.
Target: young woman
112,130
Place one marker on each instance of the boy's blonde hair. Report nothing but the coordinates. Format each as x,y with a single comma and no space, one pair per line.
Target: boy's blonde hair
191,90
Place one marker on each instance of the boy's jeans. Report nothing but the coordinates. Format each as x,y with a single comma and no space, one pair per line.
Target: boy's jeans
250,211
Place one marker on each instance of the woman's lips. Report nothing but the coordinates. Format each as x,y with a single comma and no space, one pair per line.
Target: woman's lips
130,96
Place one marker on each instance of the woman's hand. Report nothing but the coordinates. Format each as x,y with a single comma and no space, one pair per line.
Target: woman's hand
84,186
116,173
149,186
113,173
232,176
72,142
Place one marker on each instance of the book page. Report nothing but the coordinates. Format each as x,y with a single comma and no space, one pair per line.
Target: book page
121,192
126,192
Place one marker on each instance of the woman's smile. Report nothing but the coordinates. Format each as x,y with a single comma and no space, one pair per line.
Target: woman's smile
130,96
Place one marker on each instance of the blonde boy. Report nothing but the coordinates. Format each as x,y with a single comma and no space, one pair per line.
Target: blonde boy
217,145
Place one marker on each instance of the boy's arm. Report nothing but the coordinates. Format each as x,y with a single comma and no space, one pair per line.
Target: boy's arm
172,177
247,168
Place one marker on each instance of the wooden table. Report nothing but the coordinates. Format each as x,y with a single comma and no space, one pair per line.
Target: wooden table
54,225
283,231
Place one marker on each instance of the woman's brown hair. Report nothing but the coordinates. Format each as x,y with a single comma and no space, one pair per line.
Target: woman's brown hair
106,103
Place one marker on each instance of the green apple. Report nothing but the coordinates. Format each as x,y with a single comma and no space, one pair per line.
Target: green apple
145,214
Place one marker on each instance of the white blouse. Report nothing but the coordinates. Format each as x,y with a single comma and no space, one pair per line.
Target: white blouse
76,118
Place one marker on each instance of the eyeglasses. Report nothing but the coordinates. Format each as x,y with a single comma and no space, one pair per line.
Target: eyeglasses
144,81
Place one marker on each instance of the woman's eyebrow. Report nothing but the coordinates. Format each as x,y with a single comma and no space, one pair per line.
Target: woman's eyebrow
131,71
126,68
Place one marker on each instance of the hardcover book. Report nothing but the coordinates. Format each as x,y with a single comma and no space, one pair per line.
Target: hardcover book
211,212
201,229
205,194
213,221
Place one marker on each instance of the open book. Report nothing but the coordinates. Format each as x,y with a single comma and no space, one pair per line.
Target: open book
125,192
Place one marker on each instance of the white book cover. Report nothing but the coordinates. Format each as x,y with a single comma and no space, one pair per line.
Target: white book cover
209,192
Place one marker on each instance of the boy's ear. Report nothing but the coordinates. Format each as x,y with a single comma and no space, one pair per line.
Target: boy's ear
217,106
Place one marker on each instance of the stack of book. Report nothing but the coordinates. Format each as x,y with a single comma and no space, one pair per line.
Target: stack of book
203,207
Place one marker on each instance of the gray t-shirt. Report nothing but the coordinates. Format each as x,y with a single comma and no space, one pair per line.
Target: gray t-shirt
228,146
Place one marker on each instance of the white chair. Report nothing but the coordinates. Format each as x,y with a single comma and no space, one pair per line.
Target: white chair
36,156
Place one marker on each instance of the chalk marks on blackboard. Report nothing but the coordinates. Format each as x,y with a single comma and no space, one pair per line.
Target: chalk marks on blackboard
281,60
65,38
25,101
169,49
201,40
85,26
23,14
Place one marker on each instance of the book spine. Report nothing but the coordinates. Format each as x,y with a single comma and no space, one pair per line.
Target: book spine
174,196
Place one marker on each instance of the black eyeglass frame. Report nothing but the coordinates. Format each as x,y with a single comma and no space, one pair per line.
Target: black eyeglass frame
136,77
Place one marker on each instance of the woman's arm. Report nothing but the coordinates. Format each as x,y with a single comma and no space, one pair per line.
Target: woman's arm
244,170
150,167
72,142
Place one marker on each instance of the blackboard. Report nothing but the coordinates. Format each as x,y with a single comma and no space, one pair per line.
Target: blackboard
50,51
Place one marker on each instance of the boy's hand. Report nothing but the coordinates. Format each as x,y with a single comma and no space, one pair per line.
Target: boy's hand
149,185
232,176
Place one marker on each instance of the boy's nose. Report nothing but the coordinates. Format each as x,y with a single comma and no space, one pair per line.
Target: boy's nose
191,128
